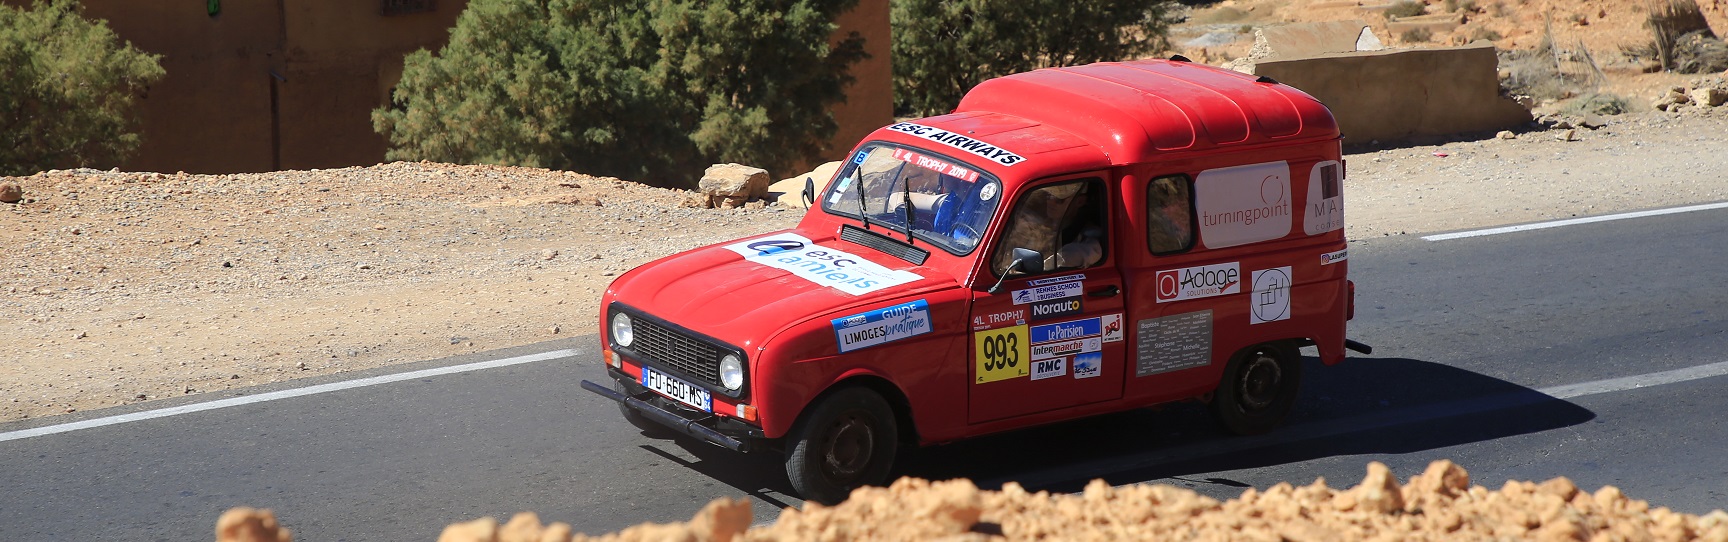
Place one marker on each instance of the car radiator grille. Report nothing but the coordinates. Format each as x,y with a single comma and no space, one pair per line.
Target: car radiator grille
694,357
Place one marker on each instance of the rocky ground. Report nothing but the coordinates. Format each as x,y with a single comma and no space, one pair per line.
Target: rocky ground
1438,504
121,287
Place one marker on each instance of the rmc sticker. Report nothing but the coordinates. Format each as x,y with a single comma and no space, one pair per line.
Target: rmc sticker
1270,301
881,326
821,265
1049,368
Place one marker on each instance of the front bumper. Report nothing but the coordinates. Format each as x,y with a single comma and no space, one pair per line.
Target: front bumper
721,431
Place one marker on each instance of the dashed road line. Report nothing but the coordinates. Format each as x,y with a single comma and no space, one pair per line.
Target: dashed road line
279,395
1574,221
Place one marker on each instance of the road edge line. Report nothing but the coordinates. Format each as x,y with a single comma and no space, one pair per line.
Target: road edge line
1574,221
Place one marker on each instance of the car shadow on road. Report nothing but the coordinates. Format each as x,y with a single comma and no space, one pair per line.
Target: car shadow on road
1362,406
760,475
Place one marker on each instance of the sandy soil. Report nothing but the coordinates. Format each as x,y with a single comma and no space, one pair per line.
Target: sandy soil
1438,504
125,287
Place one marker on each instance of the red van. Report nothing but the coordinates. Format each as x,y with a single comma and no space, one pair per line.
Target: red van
1068,242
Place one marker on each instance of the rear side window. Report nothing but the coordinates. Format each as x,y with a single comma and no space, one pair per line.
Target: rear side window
1170,214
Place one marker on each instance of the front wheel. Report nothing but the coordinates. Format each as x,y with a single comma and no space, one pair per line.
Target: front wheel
1259,389
847,441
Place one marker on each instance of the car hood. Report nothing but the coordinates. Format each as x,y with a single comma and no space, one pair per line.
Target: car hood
744,290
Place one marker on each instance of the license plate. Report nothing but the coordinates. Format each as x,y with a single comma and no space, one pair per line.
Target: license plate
678,390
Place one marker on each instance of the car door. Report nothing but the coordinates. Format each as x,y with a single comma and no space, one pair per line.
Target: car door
1052,337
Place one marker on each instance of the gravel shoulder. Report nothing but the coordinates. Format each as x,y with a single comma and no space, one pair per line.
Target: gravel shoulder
122,287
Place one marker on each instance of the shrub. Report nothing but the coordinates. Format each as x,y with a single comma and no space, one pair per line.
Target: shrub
1416,35
653,91
67,89
1677,25
942,48
1598,104
1406,8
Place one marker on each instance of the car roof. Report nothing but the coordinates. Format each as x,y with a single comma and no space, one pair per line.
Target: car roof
1132,110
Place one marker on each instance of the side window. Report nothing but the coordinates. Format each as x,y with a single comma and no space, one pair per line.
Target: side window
1169,214
1065,223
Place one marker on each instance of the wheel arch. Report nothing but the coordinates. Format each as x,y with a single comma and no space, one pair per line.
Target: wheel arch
897,401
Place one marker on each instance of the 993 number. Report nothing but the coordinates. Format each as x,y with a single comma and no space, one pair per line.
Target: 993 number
1001,352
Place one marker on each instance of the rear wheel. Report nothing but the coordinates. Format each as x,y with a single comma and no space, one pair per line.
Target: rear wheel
1259,388
846,441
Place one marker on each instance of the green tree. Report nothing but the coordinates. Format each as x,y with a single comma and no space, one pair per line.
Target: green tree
942,48
653,91
67,88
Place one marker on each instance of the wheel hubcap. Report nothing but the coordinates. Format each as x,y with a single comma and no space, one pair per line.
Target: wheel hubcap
848,447
1259,384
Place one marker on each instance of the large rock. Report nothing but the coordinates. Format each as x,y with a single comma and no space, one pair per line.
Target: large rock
11,193
1702,96
730,185
789,192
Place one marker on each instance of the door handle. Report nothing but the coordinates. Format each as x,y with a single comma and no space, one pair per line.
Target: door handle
1107,291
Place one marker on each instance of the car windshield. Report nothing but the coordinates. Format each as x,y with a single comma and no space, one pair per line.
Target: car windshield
952,202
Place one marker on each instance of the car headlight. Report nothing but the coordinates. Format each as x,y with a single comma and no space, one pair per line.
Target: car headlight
731,372
622,332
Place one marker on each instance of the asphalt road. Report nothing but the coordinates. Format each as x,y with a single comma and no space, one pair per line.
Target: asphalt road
1476,342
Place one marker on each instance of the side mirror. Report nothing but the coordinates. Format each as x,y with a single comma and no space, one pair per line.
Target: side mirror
1024,259
809,192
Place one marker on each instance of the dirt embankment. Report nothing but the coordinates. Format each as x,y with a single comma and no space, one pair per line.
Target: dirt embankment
1439,504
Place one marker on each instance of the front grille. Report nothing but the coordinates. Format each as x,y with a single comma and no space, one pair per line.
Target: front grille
693,357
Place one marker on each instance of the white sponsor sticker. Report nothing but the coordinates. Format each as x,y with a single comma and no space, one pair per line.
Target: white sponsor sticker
882,325
1067,348
1054,280
1198,282
1330,258
1270,301
1046,293
1088,365
824,266
990,152
1049,368
1243,204
987,193
1324,210
1112,327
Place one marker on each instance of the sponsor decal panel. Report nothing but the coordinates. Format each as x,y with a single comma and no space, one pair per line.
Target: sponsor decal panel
1046,293
1270,301
1112,324
992,321
1064,331
882,326
1325,208
1056,309
1049,368
1243,204
1054,280
1088,365
821,265
958,141
1330,258
1198,282
1001,354
936,164
1172,343
1066,348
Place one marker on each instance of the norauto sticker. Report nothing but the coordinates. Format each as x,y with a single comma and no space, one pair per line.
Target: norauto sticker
821,265
937,165
1330,258
1050,310
1046,293
980,148
990,321
1198,282
880,326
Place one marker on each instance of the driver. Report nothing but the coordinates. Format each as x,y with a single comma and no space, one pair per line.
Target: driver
1057,222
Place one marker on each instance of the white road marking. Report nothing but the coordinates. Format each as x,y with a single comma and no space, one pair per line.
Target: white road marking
1365,422
1574,221
281,394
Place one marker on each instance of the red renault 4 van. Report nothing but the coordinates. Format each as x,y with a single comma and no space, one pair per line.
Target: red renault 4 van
1068,242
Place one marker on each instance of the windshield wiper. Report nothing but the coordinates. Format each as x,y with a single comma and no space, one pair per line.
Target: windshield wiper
906,202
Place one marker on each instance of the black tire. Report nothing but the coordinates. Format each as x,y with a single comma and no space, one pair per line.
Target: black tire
846,441
1258,389
636,418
